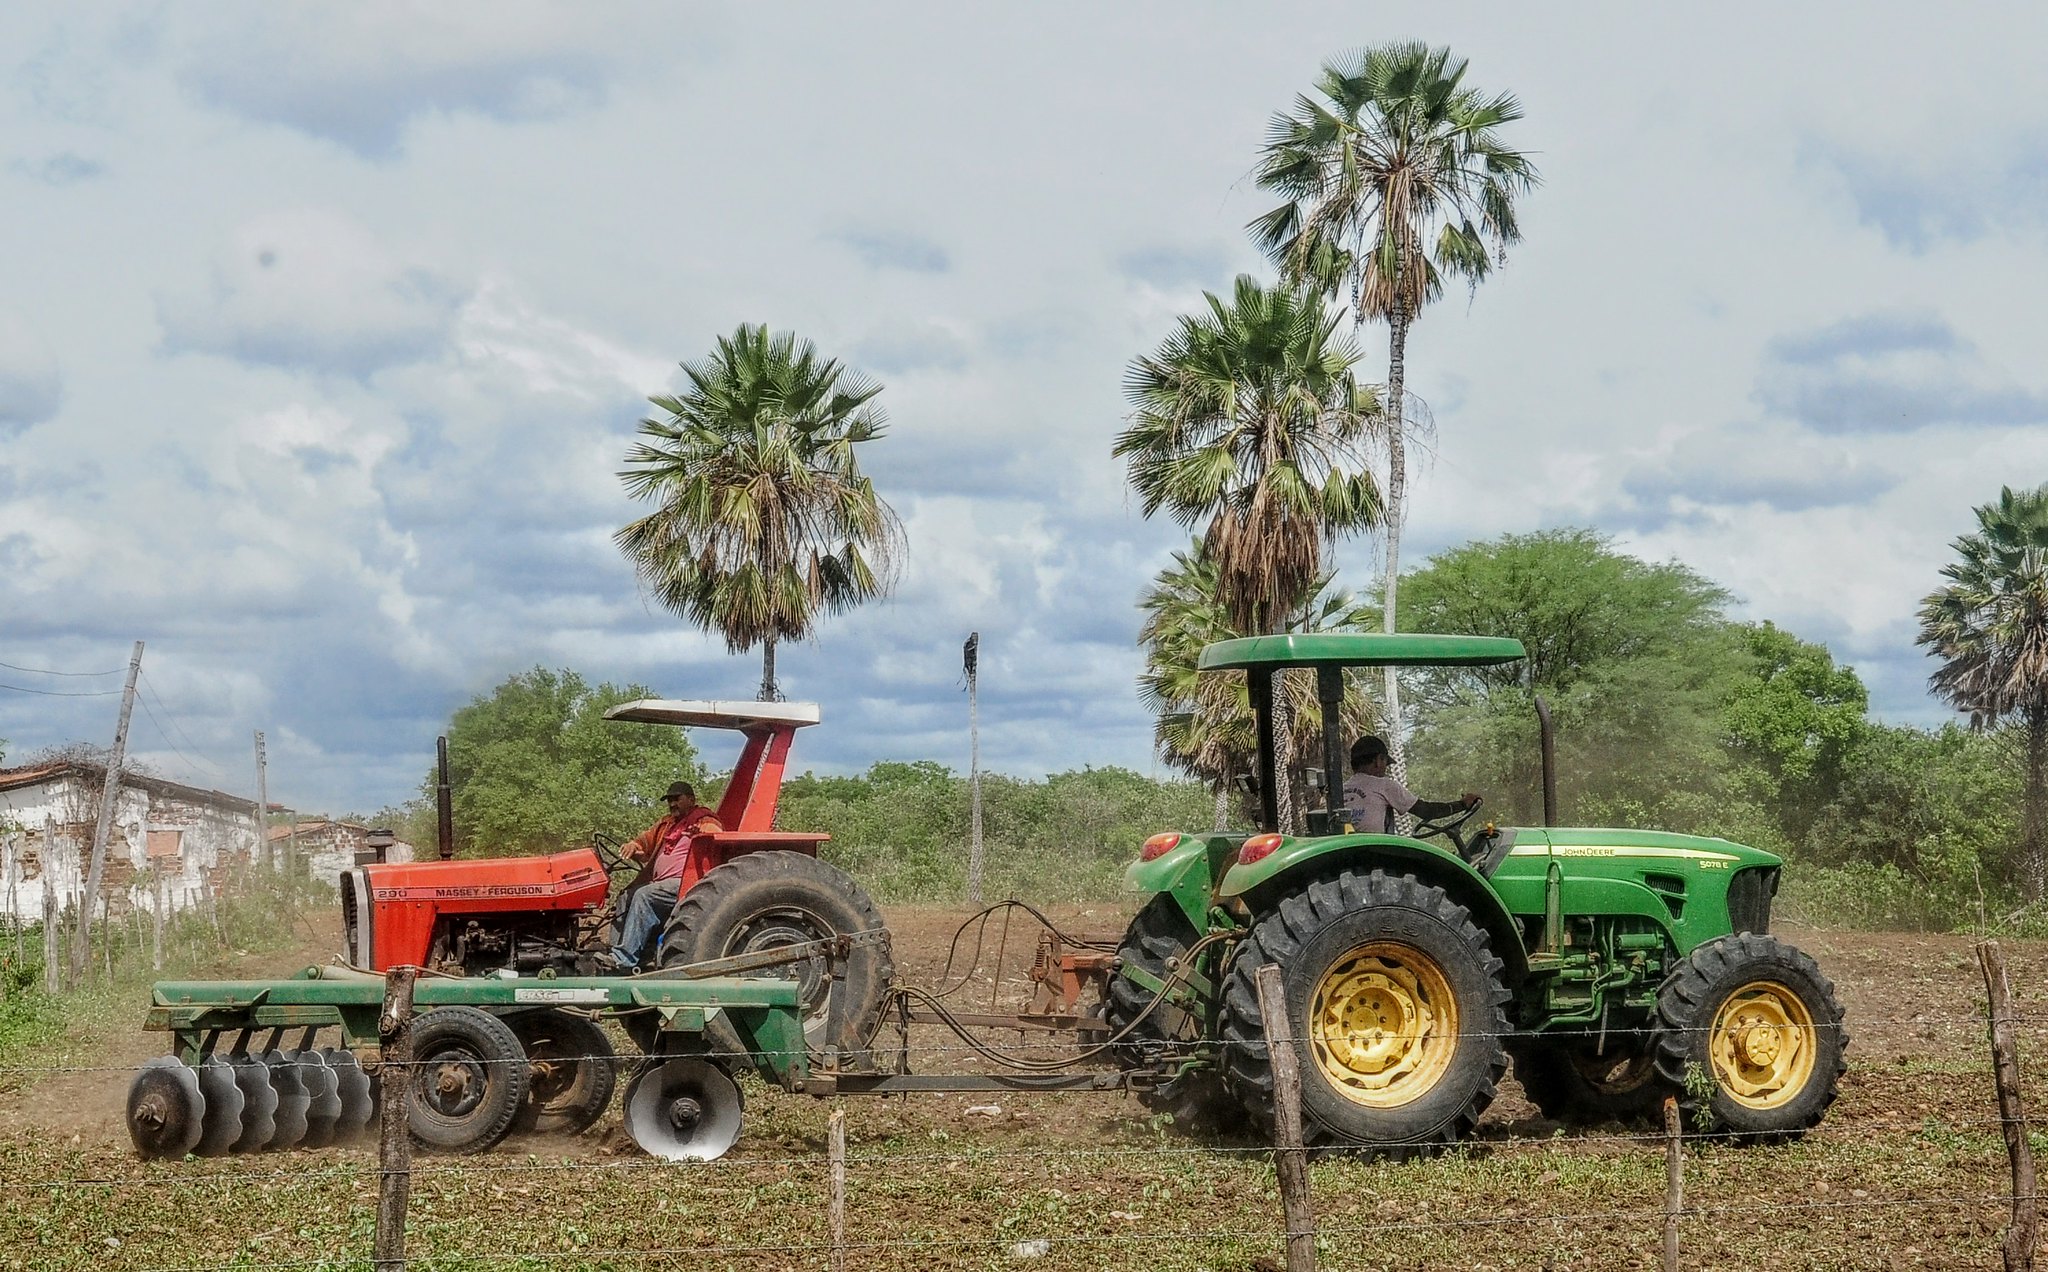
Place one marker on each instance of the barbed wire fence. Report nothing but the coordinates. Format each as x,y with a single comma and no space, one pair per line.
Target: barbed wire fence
1295,1230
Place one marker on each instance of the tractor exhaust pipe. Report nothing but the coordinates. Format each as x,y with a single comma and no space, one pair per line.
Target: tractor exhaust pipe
1549,749
444,804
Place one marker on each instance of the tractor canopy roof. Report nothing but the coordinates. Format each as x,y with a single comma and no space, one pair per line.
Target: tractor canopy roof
716,715
1361,649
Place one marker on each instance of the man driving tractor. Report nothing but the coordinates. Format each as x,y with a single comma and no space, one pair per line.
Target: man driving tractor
669,861
1371,797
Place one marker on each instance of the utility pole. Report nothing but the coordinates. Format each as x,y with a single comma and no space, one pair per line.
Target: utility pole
971,655
81,943
262,807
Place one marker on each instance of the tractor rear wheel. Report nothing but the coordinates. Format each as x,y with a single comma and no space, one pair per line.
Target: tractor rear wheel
1750,1036
767,900
1161,933
1573,1079
571,1071
1397,1004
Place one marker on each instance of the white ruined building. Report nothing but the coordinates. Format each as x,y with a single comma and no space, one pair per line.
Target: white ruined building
180,838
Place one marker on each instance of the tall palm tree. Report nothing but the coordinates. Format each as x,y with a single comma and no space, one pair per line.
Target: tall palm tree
1395,177
764,519
1248,418
1204,726
1989,628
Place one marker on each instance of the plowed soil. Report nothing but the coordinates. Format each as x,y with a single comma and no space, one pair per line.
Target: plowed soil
1909,1169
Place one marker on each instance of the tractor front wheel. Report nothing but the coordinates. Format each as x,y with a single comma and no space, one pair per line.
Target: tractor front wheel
1397,1006
570,1072
1750,1036
1152,1036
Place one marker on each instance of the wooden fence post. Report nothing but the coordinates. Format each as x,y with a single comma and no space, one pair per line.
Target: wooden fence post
836,1155
1674,1180
2021,1236
51,972
1290,1163
394,1137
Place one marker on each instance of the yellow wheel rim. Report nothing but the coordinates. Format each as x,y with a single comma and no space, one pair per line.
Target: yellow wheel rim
1762,1046
1383,1025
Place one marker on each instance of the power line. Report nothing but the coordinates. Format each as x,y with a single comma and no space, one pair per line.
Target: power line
65,693
150,690
45,671
191,765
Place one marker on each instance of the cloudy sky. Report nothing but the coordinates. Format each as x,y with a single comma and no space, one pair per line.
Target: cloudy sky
324,330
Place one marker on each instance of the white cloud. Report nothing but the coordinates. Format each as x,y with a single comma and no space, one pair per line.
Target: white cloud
31,385
312,289
358,74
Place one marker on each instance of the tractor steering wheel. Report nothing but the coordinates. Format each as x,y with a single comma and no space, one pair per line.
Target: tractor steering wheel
1448,826
611,853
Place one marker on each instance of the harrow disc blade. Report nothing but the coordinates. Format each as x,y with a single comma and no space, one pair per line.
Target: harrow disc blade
357,1108
259,1104
684,1108
292,1100
222,1125
323,1107
166,1111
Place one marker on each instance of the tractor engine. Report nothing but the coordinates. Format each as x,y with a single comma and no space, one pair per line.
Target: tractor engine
516,915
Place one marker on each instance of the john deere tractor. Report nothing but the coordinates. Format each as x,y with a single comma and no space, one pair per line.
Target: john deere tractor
1613,967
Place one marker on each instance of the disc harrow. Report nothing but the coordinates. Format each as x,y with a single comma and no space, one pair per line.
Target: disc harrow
248,1103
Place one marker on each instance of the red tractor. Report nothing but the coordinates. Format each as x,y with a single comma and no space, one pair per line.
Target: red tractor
750,889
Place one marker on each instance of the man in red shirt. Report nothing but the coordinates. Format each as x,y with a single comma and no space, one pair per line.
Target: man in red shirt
674,859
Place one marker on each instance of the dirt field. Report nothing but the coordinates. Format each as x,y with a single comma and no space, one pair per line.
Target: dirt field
1908,1171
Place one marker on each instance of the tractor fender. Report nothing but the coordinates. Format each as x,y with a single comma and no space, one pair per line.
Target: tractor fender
1297,862
1187,872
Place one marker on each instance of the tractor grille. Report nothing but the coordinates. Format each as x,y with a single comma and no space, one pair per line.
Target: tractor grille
1749,899
355,935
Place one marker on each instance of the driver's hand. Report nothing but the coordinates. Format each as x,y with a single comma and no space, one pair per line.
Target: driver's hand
1470,799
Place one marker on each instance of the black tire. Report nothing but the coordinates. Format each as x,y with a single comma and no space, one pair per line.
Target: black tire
763,900
1750,1037
571,1072
1383,943
1196,1100
1573,1079
468,1080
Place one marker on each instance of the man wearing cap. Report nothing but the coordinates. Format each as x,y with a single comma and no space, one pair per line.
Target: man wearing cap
673,859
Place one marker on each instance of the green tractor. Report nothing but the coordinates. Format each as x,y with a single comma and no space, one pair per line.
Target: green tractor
1613,967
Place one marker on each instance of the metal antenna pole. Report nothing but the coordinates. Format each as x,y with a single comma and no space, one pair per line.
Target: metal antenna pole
971,655
81,944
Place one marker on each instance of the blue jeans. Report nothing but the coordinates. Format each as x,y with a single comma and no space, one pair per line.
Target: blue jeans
645,915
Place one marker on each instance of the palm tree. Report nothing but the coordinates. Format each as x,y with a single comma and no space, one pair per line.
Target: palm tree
1989,628
1248,418
1204,726
1395,177
764,519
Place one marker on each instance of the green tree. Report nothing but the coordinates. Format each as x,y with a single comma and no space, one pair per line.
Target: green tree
1989,628
1634,659
1248,419
1395,176
1918,835
535,766
1205,727
765,520
1794,725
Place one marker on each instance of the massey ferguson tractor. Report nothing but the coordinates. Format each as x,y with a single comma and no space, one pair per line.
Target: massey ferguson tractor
514,946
